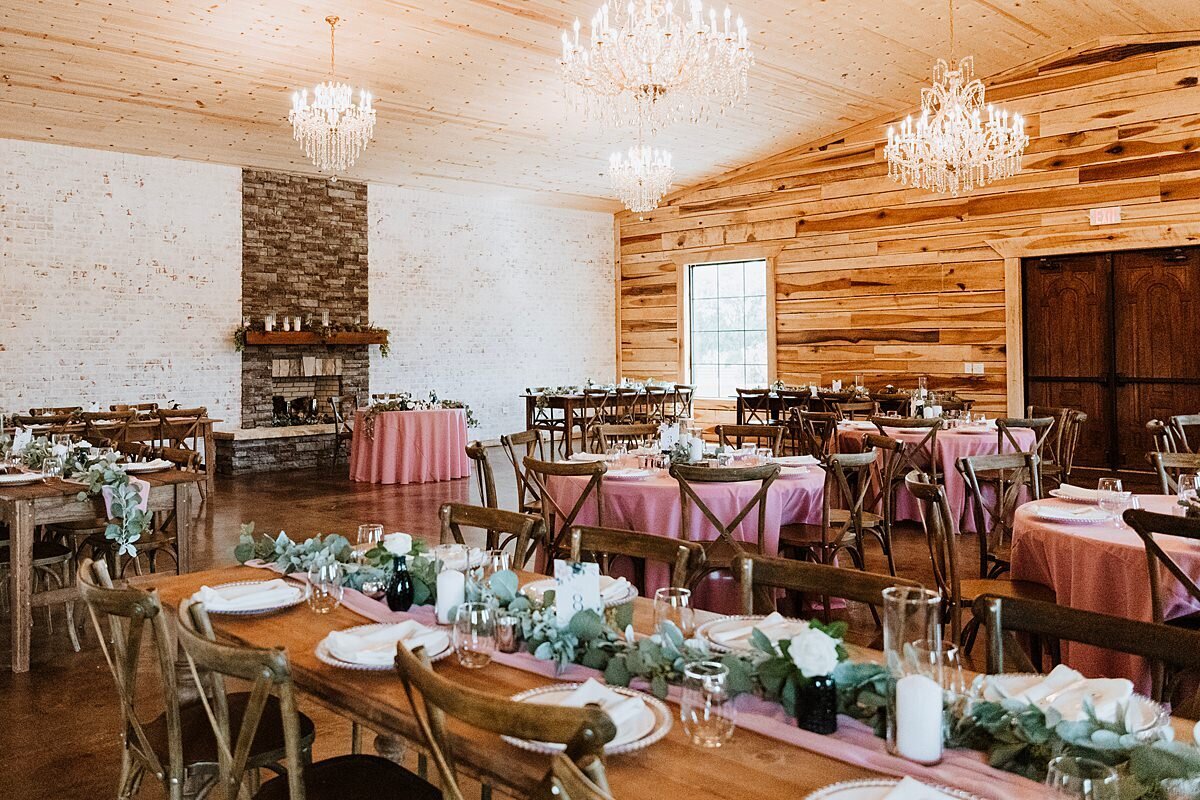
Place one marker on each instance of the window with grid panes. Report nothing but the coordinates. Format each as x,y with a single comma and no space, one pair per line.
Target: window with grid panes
727,327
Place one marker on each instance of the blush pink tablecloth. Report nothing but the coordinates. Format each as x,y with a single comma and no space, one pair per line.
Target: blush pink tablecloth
410,447
653,506
1101,568
951,445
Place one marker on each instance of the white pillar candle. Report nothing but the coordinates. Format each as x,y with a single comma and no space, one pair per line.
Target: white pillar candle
837,386
451,592
695,449
919,719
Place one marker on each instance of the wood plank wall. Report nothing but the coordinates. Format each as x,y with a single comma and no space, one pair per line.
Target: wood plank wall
878,278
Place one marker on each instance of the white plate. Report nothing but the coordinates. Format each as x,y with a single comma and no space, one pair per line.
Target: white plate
137,467
874,789
793,473
795,461
242,612
21,478
535,589
973,430
642,732
629,474
1067,498
705,630
1079,515
587,457
326,657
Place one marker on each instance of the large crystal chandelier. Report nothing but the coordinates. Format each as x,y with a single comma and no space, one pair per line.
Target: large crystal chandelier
641,176
333,129
950,148
646,65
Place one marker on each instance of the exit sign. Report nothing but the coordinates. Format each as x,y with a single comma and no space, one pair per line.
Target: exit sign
1105,216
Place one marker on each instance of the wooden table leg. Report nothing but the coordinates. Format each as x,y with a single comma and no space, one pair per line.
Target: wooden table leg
569,422
183,526
20,582
210,459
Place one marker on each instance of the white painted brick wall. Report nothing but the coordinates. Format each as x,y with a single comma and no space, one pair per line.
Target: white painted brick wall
120,279
486,297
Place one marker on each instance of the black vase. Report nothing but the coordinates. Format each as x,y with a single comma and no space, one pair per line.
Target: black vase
816,705
400,589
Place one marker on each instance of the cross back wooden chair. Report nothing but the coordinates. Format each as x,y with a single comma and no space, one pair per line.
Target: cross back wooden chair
1148,525
627,403
485,479
845,522
941,536
815,432
922,454
891,472
685,559
1163,441
52,565
770,436
270,711
684,395
55,411
182,428
556,518
571,781
720,551
518,447
630,434
1162,645
756,406
1059,455
52,423
1042,427
110,424
954,402
657,400
163,537
584,731
828,401
892,401
502,528
1179,425
1169,466
996,483
596,409
343,427
856,409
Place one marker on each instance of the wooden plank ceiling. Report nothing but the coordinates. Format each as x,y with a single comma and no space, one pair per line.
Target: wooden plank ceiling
468,90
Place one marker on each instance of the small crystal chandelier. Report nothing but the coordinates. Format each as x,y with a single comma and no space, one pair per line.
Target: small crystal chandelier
950,148
333,129
645,65
641,176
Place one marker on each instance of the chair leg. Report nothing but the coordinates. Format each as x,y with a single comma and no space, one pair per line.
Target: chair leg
70,608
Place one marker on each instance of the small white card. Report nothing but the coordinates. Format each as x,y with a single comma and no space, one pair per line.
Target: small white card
578,587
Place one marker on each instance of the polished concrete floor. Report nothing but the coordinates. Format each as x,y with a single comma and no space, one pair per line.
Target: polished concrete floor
59,734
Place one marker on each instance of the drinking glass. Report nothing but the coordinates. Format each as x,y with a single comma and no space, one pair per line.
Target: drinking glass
675,606
474,634
450,556
1108,491
706,706
370,536
1189,487
52,466
1083,778
765,454
495,561
326,585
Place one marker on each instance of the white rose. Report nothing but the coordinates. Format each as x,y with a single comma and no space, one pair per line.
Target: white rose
398,544
814,652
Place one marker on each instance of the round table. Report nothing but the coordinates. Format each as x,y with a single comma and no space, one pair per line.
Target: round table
652,505
410,447
952,444
1101,567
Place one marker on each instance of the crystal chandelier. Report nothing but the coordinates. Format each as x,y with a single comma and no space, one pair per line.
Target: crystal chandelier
646,65
333,129
641,176
950,148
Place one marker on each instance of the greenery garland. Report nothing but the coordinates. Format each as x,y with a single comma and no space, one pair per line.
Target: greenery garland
324,333
405,402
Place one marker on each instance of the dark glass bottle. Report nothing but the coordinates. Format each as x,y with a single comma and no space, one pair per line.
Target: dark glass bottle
816,705
400,589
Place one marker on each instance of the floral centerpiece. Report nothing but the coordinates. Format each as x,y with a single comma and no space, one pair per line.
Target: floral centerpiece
406,402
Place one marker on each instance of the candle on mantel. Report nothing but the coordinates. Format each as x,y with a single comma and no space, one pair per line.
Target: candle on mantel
919,719
451,592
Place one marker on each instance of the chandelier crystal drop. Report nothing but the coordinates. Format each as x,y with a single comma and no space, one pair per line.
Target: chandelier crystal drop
641,176
333,129
950,148
645,65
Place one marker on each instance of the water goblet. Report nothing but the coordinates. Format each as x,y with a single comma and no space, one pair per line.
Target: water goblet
370,535
1107,490
765,455
1082,778
474,634
674,605
326,585
495,561
706,707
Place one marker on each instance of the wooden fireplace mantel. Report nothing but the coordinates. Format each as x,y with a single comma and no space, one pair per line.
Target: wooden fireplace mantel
297,338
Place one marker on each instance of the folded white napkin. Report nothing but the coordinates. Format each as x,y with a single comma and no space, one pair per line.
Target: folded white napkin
912,789
377,646
612,588
774,626
248,596
1064,691
1078,493
621,709
796,461
585,457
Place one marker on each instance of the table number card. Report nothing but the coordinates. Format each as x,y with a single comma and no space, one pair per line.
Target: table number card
577,588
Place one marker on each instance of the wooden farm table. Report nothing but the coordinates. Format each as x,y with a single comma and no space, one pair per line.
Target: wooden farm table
23,508
572,407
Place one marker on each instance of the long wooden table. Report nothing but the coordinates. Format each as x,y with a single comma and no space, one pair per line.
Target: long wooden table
23,508
575,415
750,765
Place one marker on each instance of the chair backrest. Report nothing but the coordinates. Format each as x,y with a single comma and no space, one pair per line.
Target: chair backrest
683,400
112,424
758,576
892,469
629,434
941,537
584,731
657,401
761,435
135,450
1148,525
518,446
720,550
892,401
1055,441
338,405
1179,425
1005,616
596,408
1161,436
180,427
922,454
847,487
267,671
996,483
1169,466
954,402
627,404
815,431
556,518
684,558
571,781
484,478
55,411
142,409
130,612
1041,427
54,423
756,406
523,531
855,409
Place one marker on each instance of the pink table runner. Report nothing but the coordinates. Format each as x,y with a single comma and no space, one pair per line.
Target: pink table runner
951,445
410,447
653,506
1101,568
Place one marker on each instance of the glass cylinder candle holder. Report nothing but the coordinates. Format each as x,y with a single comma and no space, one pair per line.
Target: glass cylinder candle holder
508,634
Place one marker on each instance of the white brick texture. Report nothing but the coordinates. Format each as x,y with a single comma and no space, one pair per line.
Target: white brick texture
120,279
485,297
